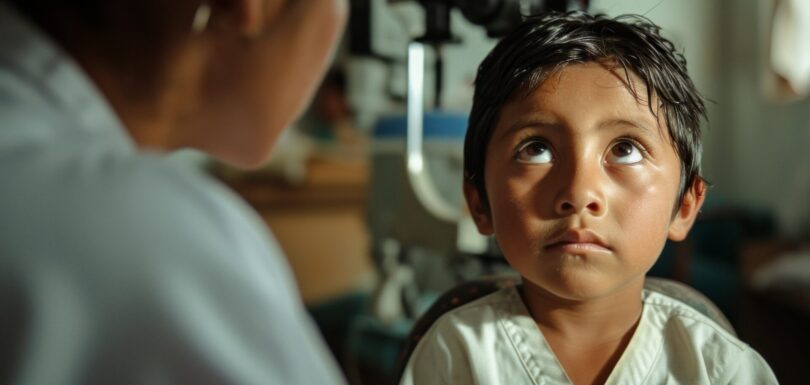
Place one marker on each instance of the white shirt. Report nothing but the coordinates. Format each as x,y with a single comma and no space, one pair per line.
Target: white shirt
117,268
494,340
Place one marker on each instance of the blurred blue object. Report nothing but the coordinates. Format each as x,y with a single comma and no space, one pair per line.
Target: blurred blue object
437,124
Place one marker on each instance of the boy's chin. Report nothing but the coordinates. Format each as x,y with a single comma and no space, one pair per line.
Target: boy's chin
583,288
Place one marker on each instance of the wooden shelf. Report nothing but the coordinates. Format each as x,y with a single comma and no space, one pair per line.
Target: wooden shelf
320,224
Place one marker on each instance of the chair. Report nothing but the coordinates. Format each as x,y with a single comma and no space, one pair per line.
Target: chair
470,291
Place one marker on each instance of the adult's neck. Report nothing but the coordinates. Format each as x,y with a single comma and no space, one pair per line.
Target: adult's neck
134,73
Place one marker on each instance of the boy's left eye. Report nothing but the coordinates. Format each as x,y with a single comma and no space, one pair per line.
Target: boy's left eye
625,152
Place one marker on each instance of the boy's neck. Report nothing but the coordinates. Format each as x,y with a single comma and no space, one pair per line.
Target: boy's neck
589,336
591,322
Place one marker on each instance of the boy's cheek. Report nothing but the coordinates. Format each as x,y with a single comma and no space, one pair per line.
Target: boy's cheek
641,225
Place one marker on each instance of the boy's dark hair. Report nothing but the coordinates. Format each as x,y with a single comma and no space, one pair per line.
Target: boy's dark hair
543,45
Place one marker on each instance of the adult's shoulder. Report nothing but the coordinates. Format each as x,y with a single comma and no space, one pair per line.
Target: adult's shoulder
89,203
132,257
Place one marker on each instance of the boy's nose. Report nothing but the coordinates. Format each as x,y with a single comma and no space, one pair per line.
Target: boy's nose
580,193
576,206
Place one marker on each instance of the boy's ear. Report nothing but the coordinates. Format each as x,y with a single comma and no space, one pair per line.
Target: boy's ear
690,206
478,210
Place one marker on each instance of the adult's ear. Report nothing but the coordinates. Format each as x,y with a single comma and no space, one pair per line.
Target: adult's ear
690,206
478,210
250,16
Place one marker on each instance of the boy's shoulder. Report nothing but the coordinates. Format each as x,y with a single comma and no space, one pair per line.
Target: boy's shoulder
666,312
684,327
689,340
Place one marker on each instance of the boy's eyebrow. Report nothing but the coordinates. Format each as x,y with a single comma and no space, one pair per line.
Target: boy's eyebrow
626,122
530,122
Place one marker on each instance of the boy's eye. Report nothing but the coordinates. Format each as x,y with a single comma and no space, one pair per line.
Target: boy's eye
534,151
625,152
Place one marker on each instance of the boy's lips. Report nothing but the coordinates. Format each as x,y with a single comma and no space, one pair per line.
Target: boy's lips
578,240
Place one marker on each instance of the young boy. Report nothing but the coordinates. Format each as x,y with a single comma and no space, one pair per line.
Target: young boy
583,158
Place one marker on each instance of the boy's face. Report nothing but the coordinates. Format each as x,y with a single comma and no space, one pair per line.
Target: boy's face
582,179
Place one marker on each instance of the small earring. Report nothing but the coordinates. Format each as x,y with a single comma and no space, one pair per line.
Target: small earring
201,17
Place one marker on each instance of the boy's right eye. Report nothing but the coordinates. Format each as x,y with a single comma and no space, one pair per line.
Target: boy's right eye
534,151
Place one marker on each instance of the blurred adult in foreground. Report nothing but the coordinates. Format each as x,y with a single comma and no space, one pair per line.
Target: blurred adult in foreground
116,266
